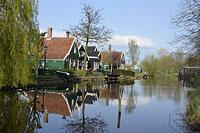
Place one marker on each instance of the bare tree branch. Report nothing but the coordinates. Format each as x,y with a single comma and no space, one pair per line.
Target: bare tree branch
133,51
89,29
188,21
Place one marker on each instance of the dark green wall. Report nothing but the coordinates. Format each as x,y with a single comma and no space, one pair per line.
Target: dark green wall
74,54
55,64
60,64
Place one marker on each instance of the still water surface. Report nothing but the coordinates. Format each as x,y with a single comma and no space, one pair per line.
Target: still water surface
147,106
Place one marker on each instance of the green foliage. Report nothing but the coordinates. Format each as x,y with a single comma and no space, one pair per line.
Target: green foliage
164,63
70,70
196,81
19,37
193,110
80,73
150,65
193,60
124,72
15,115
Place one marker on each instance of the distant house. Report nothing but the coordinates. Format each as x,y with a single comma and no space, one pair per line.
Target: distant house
117,59
94,58
137,69
62,52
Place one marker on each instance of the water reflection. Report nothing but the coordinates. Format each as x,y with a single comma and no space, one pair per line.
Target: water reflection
163,89
14,113
131,101
82,96
49,102
146,106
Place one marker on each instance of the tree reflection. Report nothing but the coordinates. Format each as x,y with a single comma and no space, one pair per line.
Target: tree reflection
119,106
131,101
85,124
163,88
34,117
160,81
14,113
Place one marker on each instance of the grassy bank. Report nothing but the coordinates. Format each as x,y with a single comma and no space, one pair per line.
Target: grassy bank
193,111
126,76
196,81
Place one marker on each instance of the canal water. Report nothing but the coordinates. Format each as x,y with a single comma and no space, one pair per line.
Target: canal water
147,106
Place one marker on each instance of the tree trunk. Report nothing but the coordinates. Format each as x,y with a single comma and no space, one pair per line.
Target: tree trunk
86,54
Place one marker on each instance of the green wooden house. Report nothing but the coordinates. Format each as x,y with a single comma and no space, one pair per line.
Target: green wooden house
61,53
81,50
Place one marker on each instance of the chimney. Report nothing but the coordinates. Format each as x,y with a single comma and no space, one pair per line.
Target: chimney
67,34
109,47
49,33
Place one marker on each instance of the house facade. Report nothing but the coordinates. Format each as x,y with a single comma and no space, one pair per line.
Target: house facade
67,52
114,58
61,53
94,57
81,50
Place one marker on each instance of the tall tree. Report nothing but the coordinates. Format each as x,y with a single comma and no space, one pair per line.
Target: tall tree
19,37
188,21
89,29
133,51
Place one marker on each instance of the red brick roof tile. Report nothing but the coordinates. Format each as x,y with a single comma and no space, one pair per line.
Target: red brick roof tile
106,56
58,47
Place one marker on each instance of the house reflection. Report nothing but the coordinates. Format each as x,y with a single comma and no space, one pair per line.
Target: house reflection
72,100
49,102
89,97
79,97
113,91
61,103
76,95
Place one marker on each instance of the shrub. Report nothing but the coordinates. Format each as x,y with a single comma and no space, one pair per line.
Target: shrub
70,70
80,73
124,72
193,111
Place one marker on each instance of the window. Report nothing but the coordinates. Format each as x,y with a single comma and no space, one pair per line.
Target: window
75,50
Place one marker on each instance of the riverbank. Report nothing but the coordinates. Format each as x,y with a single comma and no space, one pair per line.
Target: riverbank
65,77
192,116
196,81
120,79
96,76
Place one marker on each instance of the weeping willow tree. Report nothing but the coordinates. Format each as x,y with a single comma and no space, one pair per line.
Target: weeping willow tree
19,41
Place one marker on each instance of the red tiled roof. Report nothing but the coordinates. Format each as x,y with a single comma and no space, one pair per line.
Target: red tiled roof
58,47
115,56
53,102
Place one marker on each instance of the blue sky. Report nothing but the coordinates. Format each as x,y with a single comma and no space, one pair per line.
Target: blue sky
148,21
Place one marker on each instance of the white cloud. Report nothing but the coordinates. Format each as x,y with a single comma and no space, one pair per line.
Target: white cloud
139,100
143,42
59,34
123,40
